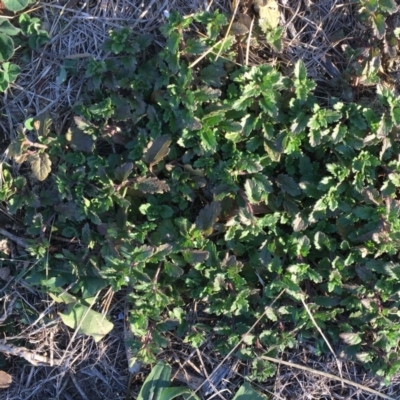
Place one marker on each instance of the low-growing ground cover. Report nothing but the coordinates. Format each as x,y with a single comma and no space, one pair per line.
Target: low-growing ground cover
208,195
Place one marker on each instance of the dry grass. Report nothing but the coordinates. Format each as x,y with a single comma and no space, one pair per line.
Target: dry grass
315,32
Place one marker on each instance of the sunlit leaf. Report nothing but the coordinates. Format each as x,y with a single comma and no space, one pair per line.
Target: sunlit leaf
88,321
41,165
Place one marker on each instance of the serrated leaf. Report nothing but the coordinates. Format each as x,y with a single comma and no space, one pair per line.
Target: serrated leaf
40,165
90,322
321,241
288,185
257,188
208,140
195,46
385,126
213,74
152,185
300,123
208,217
158,150
351,338
269,312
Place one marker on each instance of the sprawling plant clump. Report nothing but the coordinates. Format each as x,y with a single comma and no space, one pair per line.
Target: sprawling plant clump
199,180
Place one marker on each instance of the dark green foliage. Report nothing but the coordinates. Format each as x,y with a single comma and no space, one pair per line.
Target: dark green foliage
224,186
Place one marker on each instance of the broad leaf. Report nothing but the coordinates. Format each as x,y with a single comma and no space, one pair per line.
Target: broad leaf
208,217
6,47
388,6
15,5
246,392
195,256
379,25
80,140
40,164
122,172
157,381
91,322
7,28
172,393
152,185
158,150
351,338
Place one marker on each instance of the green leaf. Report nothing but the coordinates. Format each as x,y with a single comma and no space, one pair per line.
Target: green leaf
257,188
288,185
40,164
370,5
7,28
351,338
10,72
157,381
173,42
195,256
208,140
246,392
158,150
300,71
208,217
321,240
91,322
379,25
274,38
122,172
326,301
6,47
385,126
172,393
15,5
388,6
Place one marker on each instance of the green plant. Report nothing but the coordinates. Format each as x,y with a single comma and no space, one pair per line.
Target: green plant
8,71
29,27
156,387
190,179
376,11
